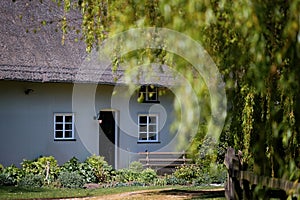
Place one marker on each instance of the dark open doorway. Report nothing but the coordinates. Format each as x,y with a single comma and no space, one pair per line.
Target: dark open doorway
107,136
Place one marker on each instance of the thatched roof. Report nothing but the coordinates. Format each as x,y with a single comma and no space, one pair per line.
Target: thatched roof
30,51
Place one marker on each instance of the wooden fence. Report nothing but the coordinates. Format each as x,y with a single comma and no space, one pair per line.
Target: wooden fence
240,184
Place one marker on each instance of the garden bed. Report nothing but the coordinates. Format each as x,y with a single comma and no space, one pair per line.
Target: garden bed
44,178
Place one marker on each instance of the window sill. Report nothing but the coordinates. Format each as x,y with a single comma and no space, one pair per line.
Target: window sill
148,142
150,102
65,140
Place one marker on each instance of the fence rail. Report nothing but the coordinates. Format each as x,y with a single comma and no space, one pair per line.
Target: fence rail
240,184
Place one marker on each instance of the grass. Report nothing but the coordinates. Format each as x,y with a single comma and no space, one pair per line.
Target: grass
12,192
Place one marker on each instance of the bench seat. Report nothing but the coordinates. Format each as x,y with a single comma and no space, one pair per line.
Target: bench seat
164,159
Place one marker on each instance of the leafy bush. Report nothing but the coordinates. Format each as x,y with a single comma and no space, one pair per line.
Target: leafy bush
148,176
215,173
31,180
70,180
188,172
218,174
136,166
31,167
39,166
126,175
6,180
103,171
172,180
160,181
1,168
10,175
54,168
87,172
71,165
204,179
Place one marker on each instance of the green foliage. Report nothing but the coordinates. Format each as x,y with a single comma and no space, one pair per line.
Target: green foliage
160,181
6,180
39,167
133,173
31,180
136,166
102,170
71,165
31,167
1,168
85,170
126,175
148,176
10,175
187,172
172,180
70,180
198,175
216,174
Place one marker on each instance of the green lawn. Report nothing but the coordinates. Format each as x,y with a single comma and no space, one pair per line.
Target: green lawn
11,192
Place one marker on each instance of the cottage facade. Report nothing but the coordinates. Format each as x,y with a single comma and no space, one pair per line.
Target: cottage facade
54,103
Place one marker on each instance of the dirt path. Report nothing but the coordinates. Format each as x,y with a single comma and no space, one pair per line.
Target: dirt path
167,193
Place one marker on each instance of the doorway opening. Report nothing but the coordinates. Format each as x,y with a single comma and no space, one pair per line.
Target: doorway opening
108,136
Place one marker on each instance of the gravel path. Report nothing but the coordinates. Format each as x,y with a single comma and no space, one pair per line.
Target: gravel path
166,193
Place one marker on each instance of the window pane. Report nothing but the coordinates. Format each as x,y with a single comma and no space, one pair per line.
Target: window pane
59,118
152,93
152,128
58,127
58,134
152,136
143,89
68,134
143,128
152,119
68,126
152,96
143,119
68,118
143,136
152,88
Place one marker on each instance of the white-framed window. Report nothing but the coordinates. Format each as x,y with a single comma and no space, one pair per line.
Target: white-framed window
148,127
64,126
148,93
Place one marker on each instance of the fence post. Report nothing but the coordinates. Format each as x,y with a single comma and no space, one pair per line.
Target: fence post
233,190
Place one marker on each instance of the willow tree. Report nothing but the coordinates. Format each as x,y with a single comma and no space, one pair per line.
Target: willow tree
256,46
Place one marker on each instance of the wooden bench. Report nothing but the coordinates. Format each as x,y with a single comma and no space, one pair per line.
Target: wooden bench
164,159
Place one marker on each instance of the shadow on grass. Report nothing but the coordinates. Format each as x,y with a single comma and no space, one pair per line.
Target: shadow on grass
191,194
